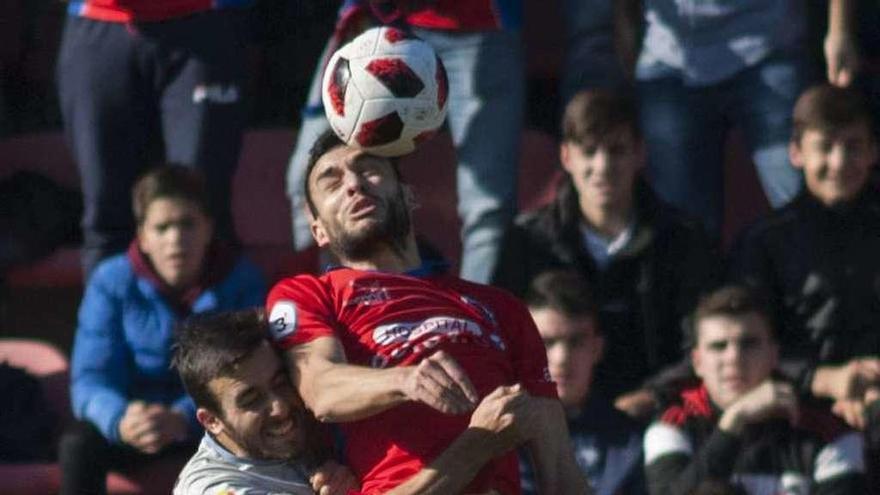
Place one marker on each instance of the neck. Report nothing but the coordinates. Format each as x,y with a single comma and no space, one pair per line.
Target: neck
608,221
231,446
388,258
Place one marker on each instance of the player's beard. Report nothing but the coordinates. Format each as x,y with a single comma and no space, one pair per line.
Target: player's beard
391,231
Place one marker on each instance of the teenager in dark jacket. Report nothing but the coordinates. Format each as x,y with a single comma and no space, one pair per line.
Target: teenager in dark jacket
817,258
742,425
607,443
647,262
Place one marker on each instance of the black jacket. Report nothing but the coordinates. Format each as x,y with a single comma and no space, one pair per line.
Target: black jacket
643,294
818,455
820,269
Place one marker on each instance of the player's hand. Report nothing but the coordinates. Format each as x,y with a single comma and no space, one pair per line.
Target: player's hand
439,382
841,58
332,478
507,414
847,381
770,399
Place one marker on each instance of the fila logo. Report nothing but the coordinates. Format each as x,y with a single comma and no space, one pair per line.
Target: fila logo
222,94
282,319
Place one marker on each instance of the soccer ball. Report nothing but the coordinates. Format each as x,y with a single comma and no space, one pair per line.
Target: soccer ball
385,92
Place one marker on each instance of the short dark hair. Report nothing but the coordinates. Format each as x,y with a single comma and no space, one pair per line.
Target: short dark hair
169,181
210,346
593,115
564,291
730,301
326,142
825,107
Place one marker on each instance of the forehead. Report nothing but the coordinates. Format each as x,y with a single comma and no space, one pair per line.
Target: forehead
255,370
854,130
622,134
726,327
169,205
554,323
343,156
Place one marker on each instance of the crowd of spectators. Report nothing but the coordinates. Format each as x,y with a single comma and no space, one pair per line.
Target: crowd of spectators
681,366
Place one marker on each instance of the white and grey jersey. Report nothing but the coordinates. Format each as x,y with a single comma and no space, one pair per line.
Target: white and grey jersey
213,470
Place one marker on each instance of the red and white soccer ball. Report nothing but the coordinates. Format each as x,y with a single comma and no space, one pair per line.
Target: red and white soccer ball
385,91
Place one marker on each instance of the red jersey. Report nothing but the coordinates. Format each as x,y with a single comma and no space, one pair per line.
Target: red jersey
386,319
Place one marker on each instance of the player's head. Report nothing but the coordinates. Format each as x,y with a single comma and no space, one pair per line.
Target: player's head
244,396
833,142
602,147
357,201
735,347
174,223
562,306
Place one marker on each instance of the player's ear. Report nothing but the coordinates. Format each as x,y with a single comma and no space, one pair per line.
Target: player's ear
210,421
319,232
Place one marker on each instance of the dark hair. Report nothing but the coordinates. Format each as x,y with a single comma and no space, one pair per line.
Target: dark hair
730,301
327,141
170,182
828,108
210,346
564,291
592,115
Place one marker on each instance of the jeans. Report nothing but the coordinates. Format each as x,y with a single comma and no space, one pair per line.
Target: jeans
685,130
590,59
124,88
485,115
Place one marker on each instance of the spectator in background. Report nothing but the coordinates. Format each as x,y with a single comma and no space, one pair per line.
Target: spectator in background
817,258
743,425
647,263
479,44
131,407
606,442
706,66
129,71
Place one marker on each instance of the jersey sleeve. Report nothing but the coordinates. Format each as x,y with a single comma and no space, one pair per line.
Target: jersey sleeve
526,348
300,310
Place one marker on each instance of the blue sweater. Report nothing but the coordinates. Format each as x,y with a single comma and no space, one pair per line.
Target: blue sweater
122,349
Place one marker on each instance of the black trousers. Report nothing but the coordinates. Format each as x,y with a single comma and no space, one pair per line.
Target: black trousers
134,95
86,457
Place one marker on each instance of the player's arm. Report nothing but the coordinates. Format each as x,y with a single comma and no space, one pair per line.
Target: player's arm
336,391
502,420
551,451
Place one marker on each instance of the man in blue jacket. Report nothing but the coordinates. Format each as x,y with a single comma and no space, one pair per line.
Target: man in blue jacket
130,405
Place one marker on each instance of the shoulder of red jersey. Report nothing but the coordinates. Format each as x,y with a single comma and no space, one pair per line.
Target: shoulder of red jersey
288,297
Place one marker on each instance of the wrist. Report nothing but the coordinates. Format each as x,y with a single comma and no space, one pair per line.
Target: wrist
822,380
400,377
731,421
480,444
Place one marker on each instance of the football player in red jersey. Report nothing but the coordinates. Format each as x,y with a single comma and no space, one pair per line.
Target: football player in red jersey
396,350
